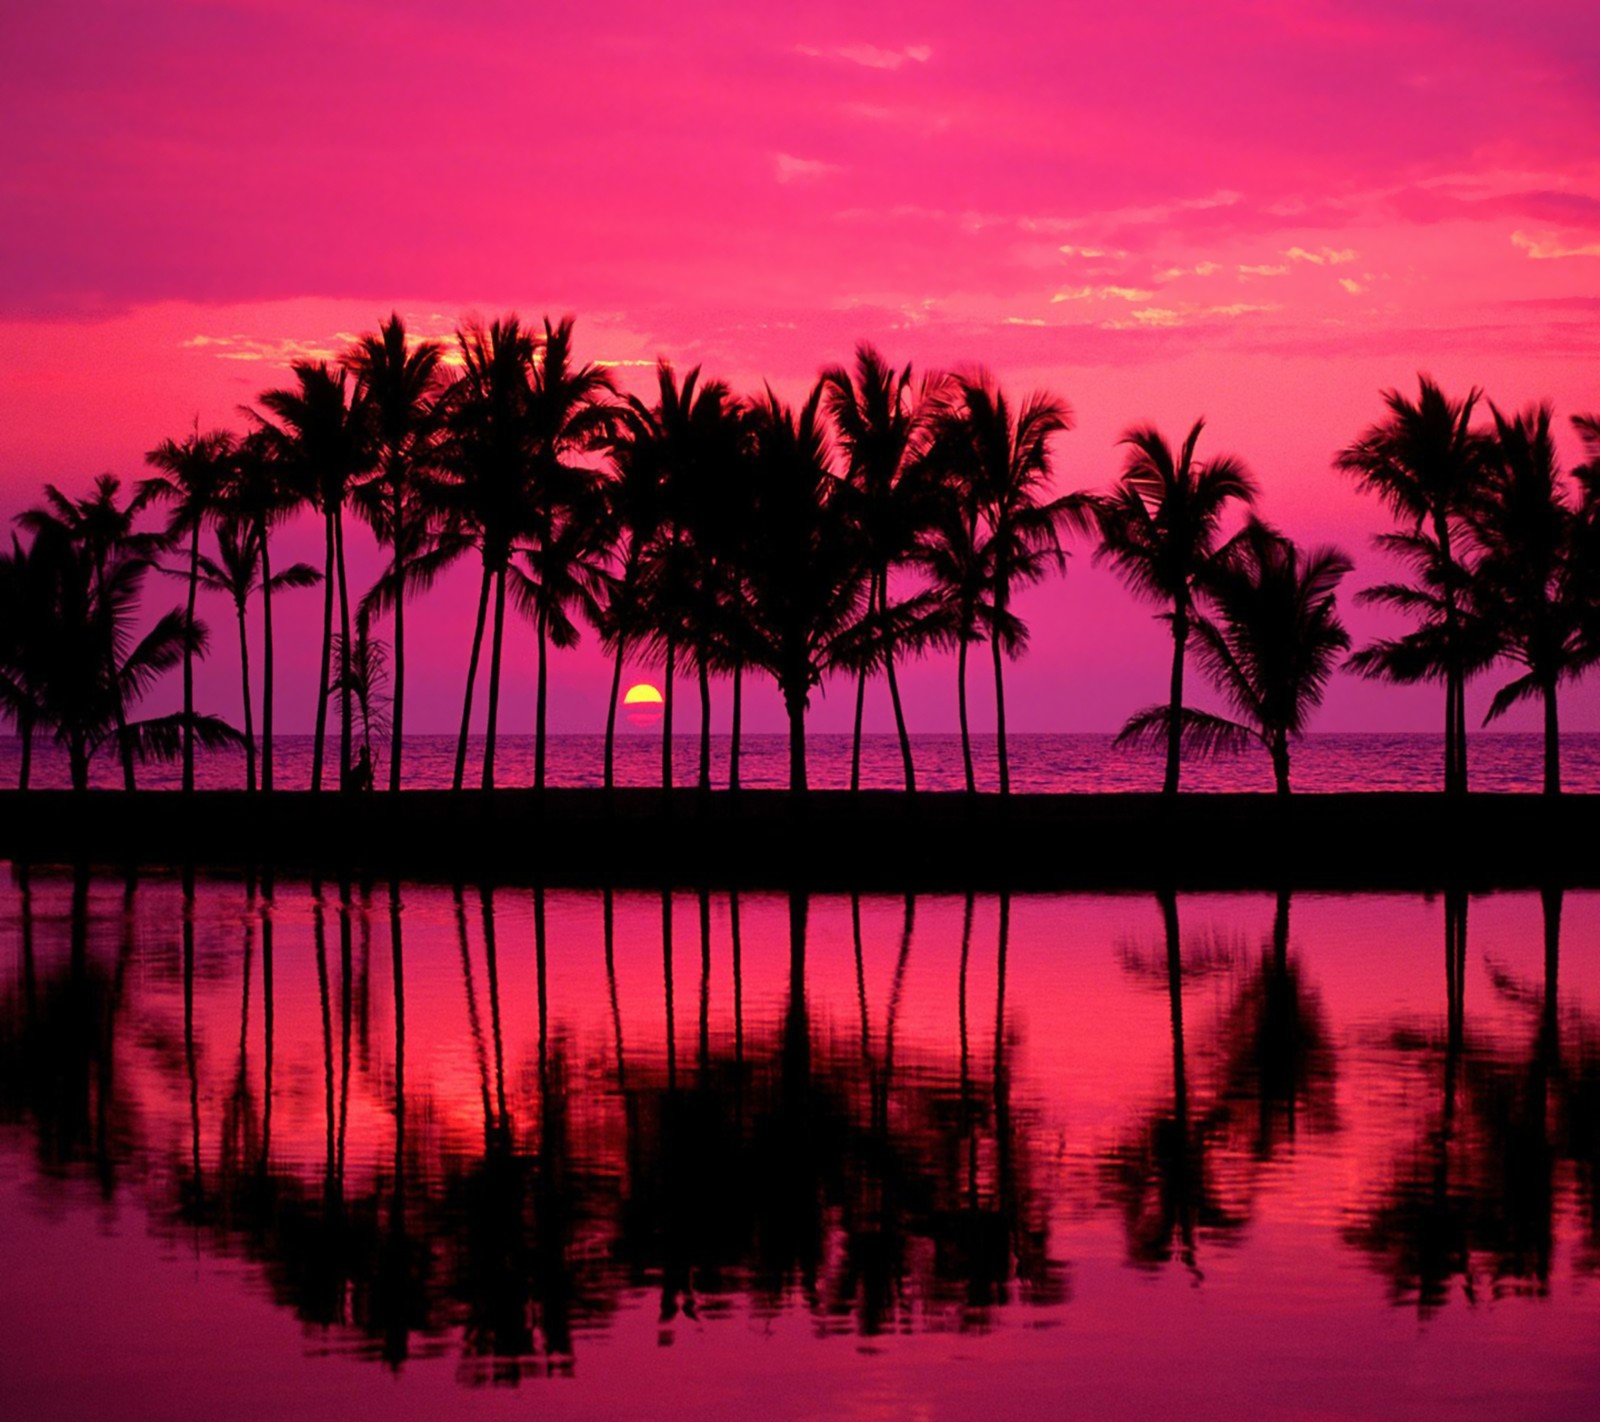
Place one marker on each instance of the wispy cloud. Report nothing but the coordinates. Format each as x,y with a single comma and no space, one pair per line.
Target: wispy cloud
869,56
1548,249
1101,293
790,169
1322,256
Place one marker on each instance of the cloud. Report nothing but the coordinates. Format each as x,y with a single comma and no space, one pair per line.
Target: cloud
1323,256
1263,270
869,56
1100,293
1548,249
1351,285
790,169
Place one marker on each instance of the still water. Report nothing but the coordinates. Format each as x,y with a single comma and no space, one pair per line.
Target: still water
323,1151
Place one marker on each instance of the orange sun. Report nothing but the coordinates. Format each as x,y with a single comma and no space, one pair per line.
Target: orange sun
644,704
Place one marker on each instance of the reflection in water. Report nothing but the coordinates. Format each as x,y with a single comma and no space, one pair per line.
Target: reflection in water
857,1142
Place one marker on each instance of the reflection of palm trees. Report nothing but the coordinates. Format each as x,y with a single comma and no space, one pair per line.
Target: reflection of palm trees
1162,1178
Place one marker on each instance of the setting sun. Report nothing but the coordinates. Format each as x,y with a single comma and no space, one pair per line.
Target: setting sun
642,694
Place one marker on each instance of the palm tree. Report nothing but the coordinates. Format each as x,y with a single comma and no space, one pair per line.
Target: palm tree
195,476
91,671
1161,528
1584,564
27,578
1525,585
321,438
483,496
236,573
399,381
999,459
1427,463
103,527
260,497
885,423
572,415
682,459
1271,646
368,665
808,588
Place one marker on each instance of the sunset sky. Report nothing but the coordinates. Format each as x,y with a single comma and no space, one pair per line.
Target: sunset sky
1259,213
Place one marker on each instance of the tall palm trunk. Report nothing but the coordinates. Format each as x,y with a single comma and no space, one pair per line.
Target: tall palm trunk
266,663
538,727
666,716
738,725
1279,748
1455,748
611,716
1180,640
961,706
796,706
855,742
188,660
398,703
318,749
1000,598
894,690
345,689
490,730
25,773
472,676
249,714
1552,741
705,723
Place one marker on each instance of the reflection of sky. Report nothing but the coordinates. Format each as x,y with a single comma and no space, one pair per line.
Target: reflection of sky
1260,215
1272,1308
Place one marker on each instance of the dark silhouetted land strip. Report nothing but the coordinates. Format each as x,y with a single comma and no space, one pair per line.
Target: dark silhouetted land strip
871,840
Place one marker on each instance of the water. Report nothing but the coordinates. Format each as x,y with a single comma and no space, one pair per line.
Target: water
343,1153
1379,761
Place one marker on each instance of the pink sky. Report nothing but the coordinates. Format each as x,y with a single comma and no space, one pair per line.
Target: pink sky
1262,214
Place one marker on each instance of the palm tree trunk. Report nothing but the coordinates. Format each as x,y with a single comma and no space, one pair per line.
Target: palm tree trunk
1180,638
738,725
1461,733
344,654
705,723
78,762
472,676
266,663
611,716
894,692
188,660
1000,714
855,743
538,726
25,774
1280,761
249,714
796,706
961,706
495,650
398,704
666,716
1552,741
319,747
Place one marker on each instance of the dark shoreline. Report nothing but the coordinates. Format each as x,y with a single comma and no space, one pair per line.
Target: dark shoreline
882,840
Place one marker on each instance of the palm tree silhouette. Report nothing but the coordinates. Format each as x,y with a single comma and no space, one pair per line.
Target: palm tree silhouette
236,573
806,591
28,576
679,487
1271,646
103,527
958,563
571,415
195,475
1427,464
321,438
399,381
1000,462
1525,585
484,494
885,423
1161,529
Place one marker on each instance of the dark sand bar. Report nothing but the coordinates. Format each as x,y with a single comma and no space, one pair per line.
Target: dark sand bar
831,839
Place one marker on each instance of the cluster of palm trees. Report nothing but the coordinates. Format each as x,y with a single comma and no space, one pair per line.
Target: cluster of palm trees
885,515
